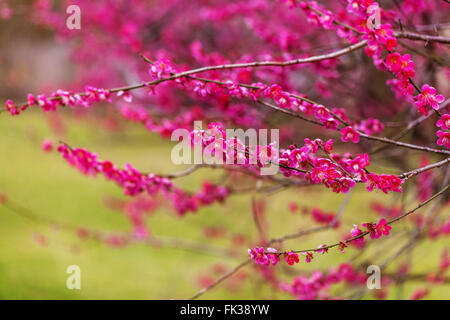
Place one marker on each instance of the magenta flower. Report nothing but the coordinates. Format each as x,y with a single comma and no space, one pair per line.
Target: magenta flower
356,232
322,249
349,134
444,138
371,228
31,100
292,258
428,97
311,145
11,108
308,256
376,231
321,113
394,61
444,122
406,68
384,182
129,179
402,88
371,126
162,67
259,255
47,145
384,34
328,146
346,184
274,257
383,228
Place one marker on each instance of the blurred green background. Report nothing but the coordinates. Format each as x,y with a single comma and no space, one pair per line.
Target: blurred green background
46,184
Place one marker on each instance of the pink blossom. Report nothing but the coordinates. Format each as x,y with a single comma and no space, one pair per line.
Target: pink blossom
420,293
349,134
11,108
356,232
161,67
130,179
345,184
264,257
383,228
328,146
371,229
274,258
394,61
308,256
322,249
371,126
324,19
402,88
444,122
428,98
291,258
47,145
444,138
384,182
407,68
259,256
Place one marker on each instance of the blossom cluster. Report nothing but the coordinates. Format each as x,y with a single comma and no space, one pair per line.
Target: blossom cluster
444,134
317,15
317,285
384,182
375,230
260,256
378,38
427,98
271,256
340,173
330,173
324,217
134,182
323,170
209,194
349,134
161,68
357,233
402,66
295,102
130,179
60,98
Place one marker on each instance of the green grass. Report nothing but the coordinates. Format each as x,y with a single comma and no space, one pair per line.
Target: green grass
44,183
